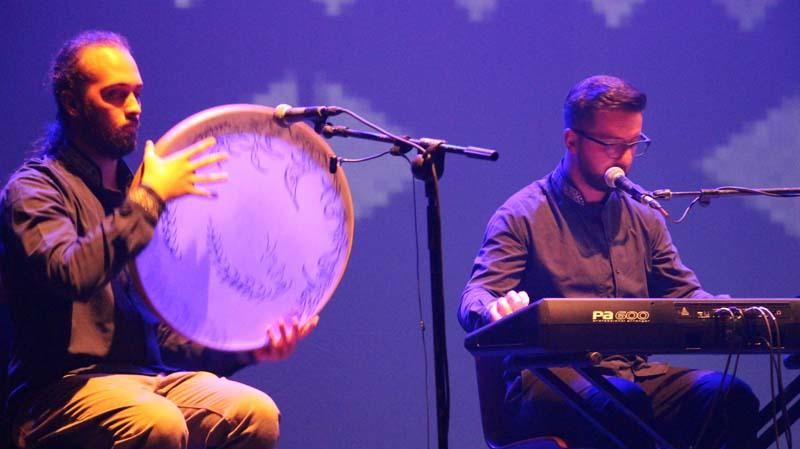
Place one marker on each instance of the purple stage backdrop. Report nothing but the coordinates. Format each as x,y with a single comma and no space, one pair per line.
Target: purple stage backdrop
723,80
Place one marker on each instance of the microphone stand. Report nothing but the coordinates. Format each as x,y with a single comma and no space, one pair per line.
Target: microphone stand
705,195
428,167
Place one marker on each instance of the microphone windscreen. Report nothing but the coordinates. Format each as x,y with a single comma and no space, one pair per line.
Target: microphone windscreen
611,175
280,110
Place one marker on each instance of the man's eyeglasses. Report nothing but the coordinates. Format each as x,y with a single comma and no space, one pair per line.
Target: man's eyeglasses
616,149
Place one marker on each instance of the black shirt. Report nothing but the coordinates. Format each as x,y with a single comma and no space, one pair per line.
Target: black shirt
548,241
66,246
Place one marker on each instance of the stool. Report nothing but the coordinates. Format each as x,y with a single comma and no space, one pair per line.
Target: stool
491,392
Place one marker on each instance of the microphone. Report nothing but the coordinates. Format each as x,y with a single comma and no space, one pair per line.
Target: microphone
616,179
288,113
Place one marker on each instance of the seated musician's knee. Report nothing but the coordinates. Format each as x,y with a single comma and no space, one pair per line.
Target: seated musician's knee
735,393
256,417
741,406
155,421
742,395
733,410
635,398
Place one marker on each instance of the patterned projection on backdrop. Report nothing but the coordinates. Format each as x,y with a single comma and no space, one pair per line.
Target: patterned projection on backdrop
372,182
334,7
749,13
183,4
616,12
478,9
758,157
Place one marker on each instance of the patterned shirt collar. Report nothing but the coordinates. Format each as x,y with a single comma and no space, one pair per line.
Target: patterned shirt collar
566,189
564,186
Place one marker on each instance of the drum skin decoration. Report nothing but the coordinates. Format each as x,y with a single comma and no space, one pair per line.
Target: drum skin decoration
273,244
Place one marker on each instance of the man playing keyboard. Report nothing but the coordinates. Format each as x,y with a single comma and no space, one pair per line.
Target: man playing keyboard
570,235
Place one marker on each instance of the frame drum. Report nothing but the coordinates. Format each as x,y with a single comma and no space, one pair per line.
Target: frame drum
273,244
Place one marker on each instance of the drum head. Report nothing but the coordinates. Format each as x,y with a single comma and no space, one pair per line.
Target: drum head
272,245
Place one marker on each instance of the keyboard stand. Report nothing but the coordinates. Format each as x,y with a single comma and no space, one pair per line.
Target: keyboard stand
540,366
768,437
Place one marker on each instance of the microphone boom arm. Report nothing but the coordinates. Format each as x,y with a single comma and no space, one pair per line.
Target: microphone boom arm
329,130
787,192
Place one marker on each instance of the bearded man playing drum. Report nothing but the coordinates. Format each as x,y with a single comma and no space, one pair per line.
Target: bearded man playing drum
91,366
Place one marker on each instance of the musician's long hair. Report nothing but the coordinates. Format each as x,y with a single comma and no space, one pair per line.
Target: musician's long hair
66,76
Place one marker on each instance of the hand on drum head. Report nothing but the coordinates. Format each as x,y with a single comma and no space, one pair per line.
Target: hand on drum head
174,175
282,341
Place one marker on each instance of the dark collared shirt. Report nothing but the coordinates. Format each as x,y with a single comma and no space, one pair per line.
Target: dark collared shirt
66,245
547,241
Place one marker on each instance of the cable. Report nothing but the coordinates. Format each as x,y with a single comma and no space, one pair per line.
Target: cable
686,211
420,150
772,341
422,328
720,436
769,343
773,398
441,365
757,192
729,189
341,160
714,402
381,130
779,375
337,161
734,314
775,373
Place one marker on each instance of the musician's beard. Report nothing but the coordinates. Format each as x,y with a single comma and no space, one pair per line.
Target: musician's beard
104,137
594,180
597,182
